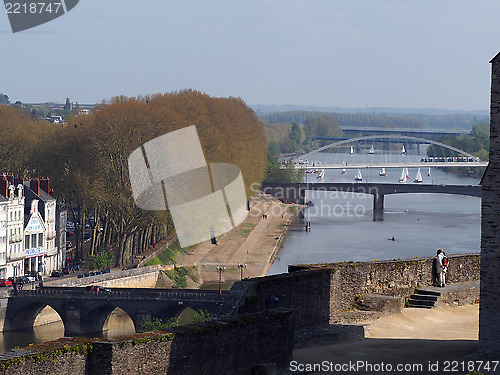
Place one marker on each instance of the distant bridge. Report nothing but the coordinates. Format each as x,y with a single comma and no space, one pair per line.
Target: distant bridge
394,165
84,312
405,131
296,192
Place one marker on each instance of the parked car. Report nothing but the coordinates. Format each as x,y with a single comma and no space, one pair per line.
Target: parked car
67,270
5,282
76,267
56,273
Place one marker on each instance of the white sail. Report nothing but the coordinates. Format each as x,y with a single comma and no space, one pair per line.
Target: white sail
344,170
352,151
418,178
403,151
402,179
383,172
358,176
407,174
372,150
321,174
429,173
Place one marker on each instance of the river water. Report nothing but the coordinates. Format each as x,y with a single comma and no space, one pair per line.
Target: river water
342,226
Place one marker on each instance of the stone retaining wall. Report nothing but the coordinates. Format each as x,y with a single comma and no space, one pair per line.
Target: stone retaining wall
233,346
320,293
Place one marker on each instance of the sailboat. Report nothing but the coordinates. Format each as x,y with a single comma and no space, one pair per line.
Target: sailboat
372,150
352,150
383,173
418,179
407,174
358,176
402,179
344,170
429,173
321,174
403,151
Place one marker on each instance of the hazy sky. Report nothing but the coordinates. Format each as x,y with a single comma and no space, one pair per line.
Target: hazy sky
390,53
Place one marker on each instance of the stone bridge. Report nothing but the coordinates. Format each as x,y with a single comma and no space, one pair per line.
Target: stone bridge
84,312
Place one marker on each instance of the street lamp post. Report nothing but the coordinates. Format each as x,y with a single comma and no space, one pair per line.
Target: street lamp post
220,269
241,266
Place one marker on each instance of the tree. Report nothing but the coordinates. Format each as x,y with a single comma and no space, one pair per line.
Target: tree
4,99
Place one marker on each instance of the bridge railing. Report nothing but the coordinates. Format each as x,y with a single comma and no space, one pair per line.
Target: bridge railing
125,293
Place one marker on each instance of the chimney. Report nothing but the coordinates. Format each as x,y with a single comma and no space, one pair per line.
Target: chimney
44,184
4,185
51,193
10,178
35,186
19,181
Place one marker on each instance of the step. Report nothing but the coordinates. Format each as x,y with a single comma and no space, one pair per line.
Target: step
415,302
427,292
424,297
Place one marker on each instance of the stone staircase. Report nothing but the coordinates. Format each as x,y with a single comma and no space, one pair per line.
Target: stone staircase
426,299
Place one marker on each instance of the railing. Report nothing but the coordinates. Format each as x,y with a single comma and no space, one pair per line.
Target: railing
131,294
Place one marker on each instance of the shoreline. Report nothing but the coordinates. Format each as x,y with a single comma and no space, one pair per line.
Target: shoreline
254,244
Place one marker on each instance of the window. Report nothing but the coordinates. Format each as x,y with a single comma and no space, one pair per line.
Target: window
40,239
27,241
33,240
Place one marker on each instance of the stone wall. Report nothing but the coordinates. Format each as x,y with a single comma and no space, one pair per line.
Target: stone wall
308,293
320,293
144,277
489,318
397,278
232,346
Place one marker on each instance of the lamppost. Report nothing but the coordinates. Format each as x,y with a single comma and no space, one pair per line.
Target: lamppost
220,269
241,266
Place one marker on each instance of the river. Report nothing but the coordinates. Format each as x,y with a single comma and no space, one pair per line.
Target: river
342,226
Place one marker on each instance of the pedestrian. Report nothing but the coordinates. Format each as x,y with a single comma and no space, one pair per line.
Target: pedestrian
441,268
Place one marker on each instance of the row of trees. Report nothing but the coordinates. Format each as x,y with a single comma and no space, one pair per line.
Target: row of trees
477,142
86,160
292,138
346,119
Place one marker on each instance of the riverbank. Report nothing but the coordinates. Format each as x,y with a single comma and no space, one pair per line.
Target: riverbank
255,243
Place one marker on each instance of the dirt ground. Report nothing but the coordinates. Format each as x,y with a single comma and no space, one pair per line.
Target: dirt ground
416,337
254,243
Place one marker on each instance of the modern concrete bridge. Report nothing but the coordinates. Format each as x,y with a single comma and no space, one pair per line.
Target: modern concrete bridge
295,192
364,165
85,312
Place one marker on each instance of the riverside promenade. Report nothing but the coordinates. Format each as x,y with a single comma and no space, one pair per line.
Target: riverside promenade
255,242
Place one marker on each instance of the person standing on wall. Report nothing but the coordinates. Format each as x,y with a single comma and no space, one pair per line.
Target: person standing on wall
441,268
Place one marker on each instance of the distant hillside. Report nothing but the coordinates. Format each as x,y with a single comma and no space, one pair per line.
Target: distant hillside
455,121
262,109
346,119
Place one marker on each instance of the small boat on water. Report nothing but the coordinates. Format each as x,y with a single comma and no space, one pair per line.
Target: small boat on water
418,178
402,179
403,151
383,173
372,150
407,174
352,151
358,176
429,173
321,174
344,170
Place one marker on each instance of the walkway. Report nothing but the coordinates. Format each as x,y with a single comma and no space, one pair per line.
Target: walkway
415,336
254,242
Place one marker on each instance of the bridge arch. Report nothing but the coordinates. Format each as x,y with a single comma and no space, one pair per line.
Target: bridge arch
97,318
25,316
402,137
